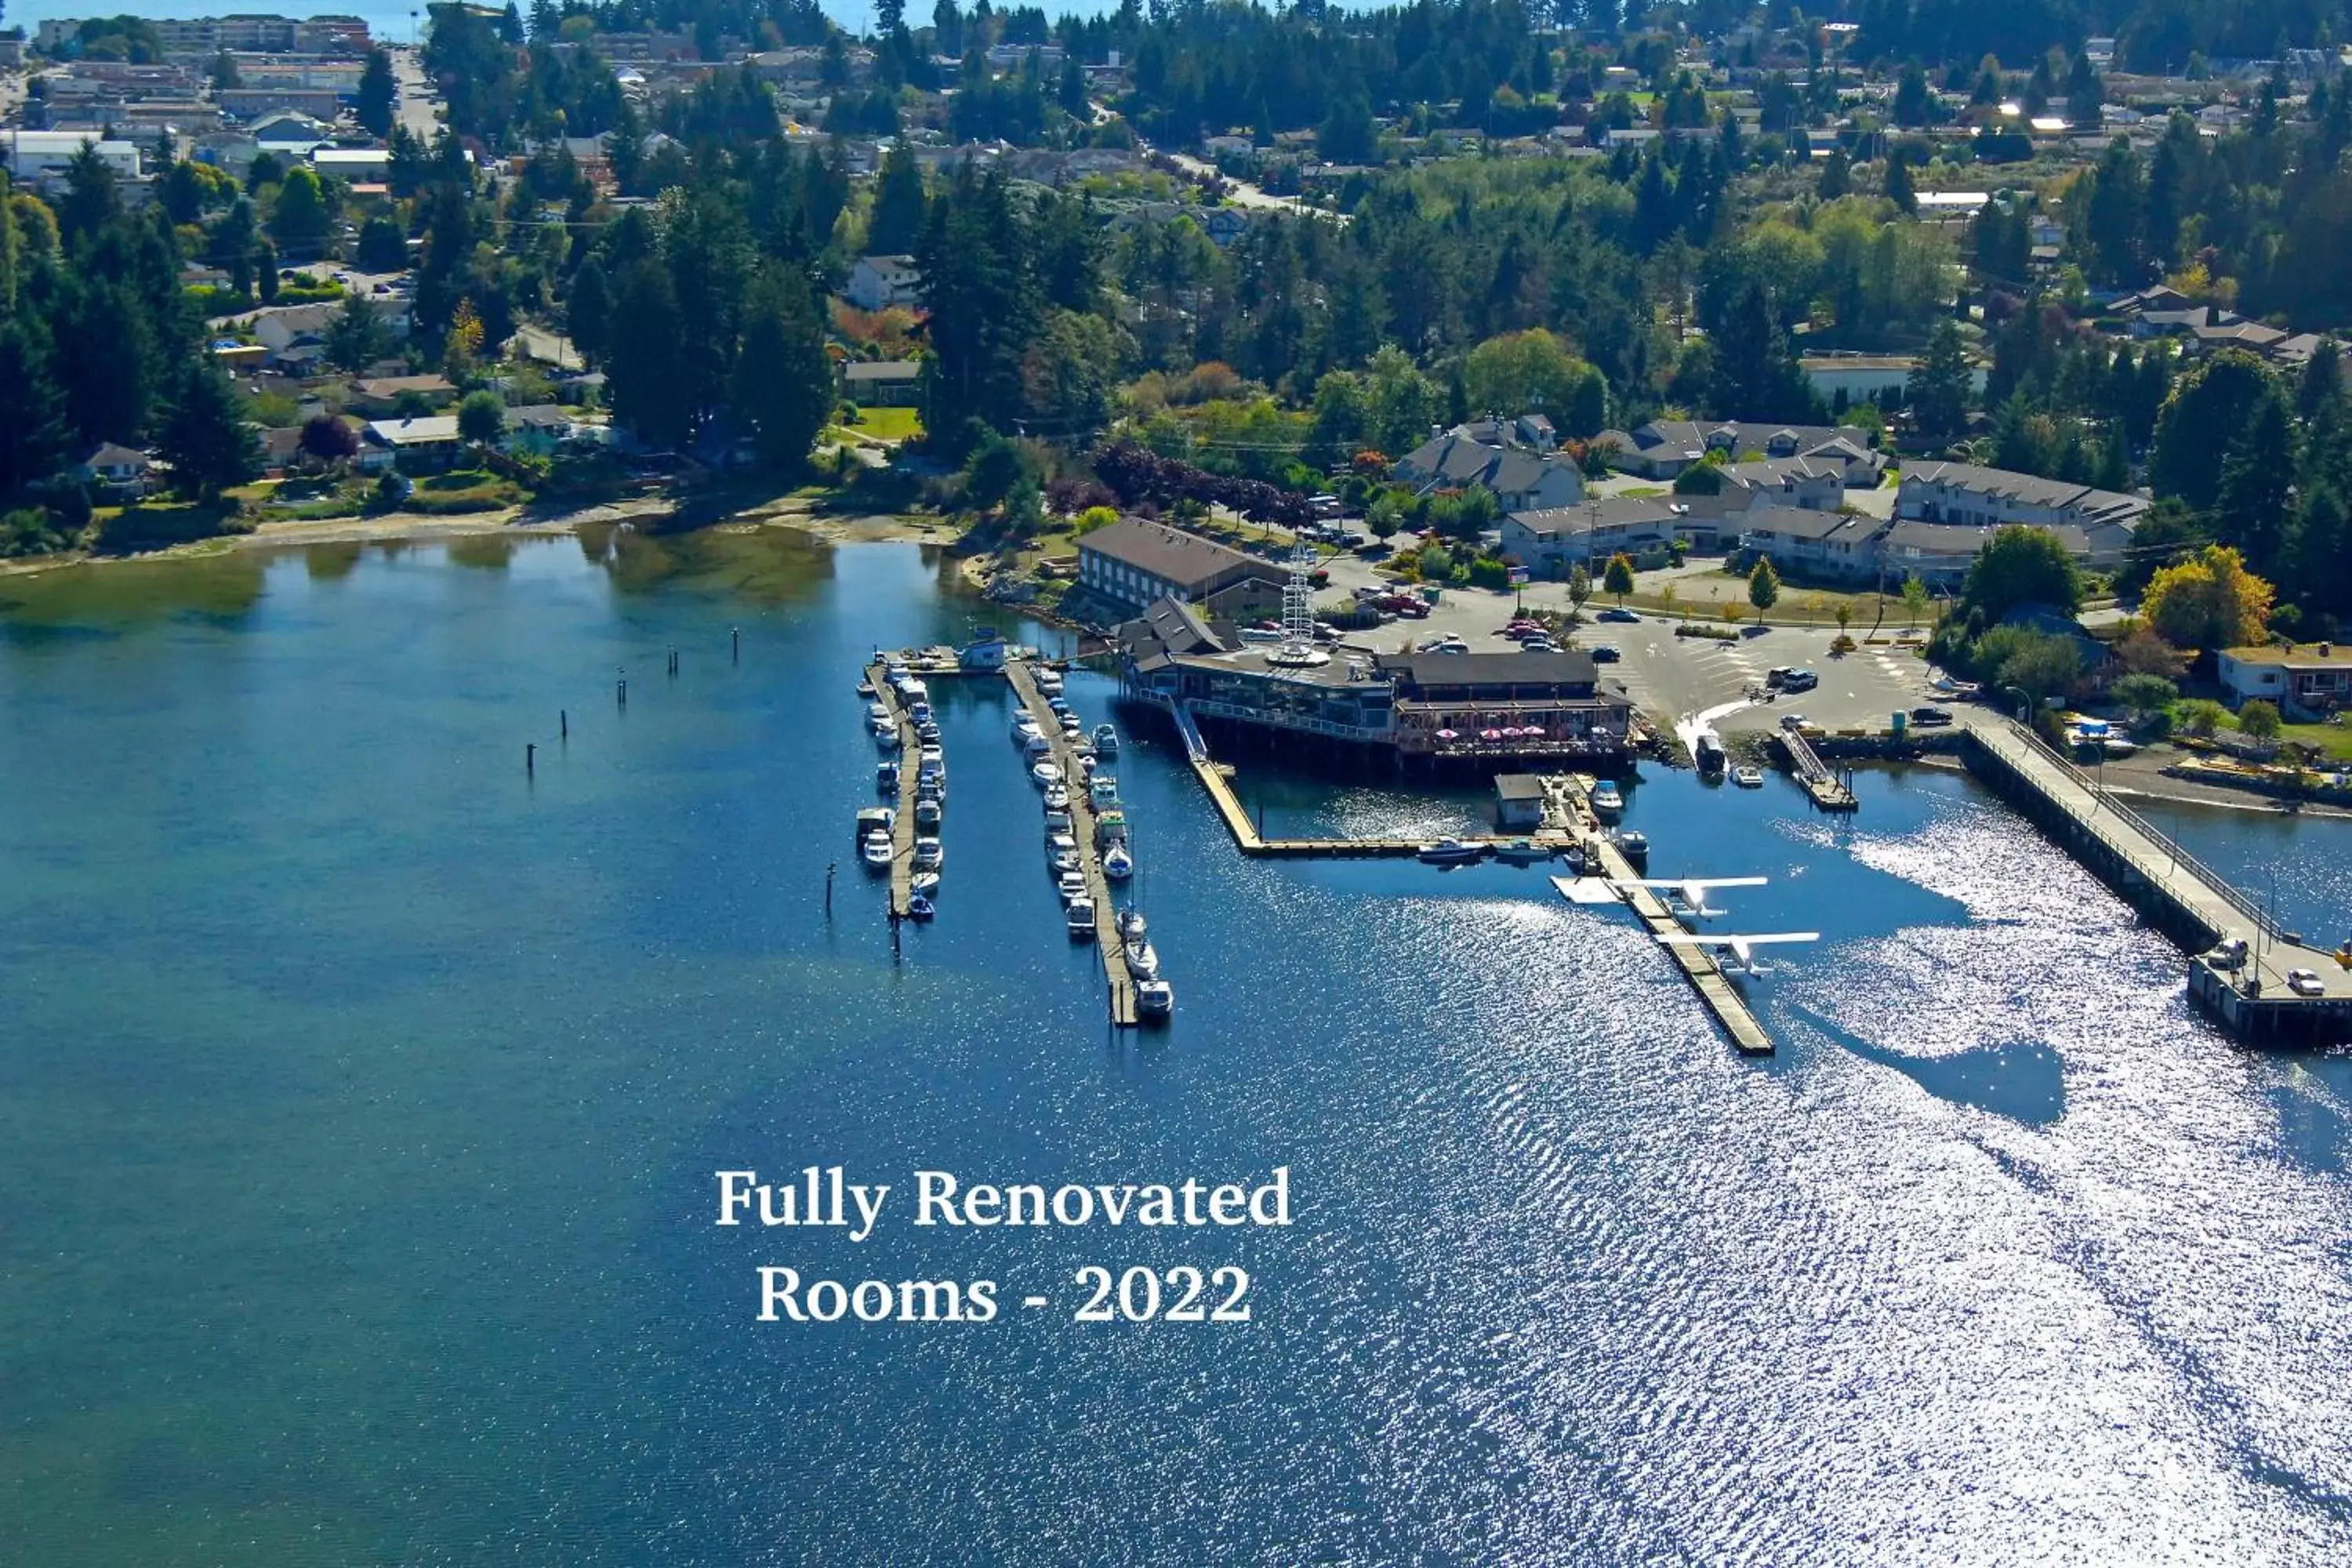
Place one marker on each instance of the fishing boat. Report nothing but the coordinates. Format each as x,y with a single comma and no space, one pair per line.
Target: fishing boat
1607,804
1106,741
1141,961
876,851
920,908
927,815
929,854
886,778
1523,852
1056,821
1046,774
1078,919
1451,852
1635,847
1748,776
1111,827
1118,864
1057,797
874,819
1103,789
1154,999
1131,924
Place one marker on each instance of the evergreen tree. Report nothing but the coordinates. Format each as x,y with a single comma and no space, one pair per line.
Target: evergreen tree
897,220
784,383
2256,486
377,92
651,385
1940,387
92,196
204,438
588,311
32,423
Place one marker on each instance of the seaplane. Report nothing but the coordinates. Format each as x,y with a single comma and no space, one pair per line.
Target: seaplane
1742,948
1686,895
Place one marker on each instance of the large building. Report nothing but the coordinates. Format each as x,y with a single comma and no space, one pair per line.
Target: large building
1662,449
1512,458
1484,709
1988,497
1132,562
34,155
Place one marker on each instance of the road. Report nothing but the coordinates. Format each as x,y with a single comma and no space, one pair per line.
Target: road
419,107
1241,193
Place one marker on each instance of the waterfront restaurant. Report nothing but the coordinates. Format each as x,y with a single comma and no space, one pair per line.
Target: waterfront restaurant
1506,704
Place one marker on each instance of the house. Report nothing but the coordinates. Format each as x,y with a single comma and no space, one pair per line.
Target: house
884,283
2305,681
34,155
283,326
1522,477
1133,562
1810,544
1662,449
885,382
381,395
1519,801
1973,496
540,428
1817,484
122,472
429,442
1551,541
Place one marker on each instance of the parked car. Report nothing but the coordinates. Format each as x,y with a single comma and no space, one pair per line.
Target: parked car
2304,982
1928,718
1792,721
1539,644
1617,613
1799,680
1602,653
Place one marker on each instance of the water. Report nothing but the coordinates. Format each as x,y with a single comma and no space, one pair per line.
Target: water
359,1100
392,22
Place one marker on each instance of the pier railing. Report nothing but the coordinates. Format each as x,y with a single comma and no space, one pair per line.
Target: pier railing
1195,748
2114,813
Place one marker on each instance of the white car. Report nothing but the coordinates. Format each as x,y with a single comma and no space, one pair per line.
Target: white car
2304,982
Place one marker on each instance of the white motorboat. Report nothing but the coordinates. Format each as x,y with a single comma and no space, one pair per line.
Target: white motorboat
921,713
1451,852
1141,961
1056,821
929,854
1071,885
919,907
1048,681
1606,802
927,815
876,851
1046,774
1060,843
1118,864
1024,726
931,759
1071,727
885,777
1131,925
1748,778
885,736
876,713
1062,862
1037,745
927,883
1057,797
1106,741
928,732
1522,852
1154,999
875,819
912,689
865,688
1078,919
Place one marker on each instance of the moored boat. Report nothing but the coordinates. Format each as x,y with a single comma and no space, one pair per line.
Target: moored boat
1748,776
929,854
885,777
1110,826
1057,797
874,819
920,908
886,737
1523,852
1118,864
1078,919
1045,774
875,852
1606,802
925,883
1451,852
1131,924
927,815
1142,962
1154,999
1106,741
1635,847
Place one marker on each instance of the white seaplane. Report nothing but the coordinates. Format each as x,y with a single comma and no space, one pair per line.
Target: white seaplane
1686,896
1741,948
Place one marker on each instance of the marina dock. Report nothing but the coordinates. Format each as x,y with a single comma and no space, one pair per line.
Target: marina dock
2193,905
902,826
1108,943
1828,791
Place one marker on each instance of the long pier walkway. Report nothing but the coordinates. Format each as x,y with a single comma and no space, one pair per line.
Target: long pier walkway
1108,941
902,830
2193,904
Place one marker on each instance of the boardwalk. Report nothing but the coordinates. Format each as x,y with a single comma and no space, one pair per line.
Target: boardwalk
1107,942
2195,905
902,832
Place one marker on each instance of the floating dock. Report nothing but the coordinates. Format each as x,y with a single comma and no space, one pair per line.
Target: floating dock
902,823
2193,905
1828,791
1108,943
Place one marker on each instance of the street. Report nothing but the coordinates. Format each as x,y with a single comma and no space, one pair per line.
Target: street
419,109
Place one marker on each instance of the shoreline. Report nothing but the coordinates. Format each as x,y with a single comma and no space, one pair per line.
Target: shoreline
408,527
2180,793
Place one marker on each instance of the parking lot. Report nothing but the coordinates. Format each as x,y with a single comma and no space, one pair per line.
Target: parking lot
1670,677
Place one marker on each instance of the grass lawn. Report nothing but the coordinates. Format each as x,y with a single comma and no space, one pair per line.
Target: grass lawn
2331,740
888,424
464,490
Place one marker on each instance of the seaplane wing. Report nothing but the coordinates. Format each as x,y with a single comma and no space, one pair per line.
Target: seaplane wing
1742,947
1585,890
1691,890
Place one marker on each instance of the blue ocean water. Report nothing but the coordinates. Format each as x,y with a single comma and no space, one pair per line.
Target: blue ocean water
360,1099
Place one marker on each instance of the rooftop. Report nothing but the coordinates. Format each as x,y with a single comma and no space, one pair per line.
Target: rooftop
2303,656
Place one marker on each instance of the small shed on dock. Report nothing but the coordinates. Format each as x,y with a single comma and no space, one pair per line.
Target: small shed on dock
1519,801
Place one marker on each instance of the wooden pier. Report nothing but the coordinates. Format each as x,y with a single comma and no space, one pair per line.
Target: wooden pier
1108,943
1828,791
2193,905
902,826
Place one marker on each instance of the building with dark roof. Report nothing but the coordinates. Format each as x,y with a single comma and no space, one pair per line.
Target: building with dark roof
1662,449
1502,455
1132,562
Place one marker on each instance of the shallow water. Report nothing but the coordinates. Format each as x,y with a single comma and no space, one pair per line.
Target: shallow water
359,1099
